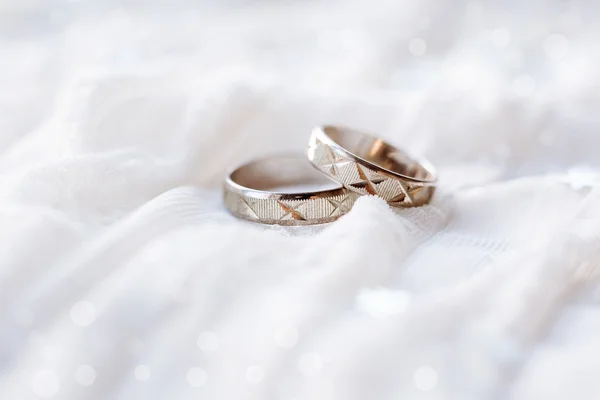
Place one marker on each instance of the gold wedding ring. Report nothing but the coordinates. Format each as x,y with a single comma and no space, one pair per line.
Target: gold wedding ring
367,165
256,191
287,190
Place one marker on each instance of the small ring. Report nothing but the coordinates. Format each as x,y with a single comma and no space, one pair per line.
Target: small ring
256,191
367,165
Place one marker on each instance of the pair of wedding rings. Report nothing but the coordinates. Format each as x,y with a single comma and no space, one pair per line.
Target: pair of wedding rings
356,164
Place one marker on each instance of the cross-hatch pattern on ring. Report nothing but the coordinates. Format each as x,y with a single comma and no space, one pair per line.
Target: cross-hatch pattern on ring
283,210
363,180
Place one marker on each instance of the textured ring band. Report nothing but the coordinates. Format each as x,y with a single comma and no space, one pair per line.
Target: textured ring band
369,166
256,192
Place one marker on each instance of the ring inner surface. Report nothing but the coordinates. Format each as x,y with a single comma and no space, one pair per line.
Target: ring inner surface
287,174
378,152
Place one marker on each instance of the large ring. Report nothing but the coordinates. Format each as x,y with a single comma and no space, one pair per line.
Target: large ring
256,191
369,166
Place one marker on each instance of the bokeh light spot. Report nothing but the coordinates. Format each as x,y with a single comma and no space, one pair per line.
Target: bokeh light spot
85,375
254,374
310,364
500,37
556,47
285,337
425,378
208,342
83,313
45,383
417,47
196,377
142,373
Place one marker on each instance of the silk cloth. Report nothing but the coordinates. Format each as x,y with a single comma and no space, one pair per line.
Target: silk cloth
123,277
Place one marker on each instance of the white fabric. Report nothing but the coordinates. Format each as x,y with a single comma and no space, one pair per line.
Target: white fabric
122,277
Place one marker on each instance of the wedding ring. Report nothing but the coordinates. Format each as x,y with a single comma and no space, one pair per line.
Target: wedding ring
276,190
368,165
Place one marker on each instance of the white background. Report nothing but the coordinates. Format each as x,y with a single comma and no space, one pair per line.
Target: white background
122,277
